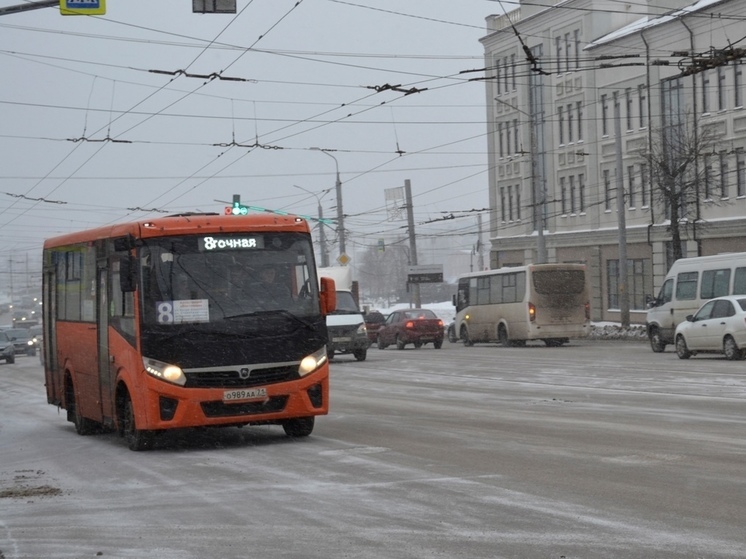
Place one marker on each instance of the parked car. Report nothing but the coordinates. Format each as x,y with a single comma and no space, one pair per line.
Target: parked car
719,326
411,326
7,349
22,340
373,322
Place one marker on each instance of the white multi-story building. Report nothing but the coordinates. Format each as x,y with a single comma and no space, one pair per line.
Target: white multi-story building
560,80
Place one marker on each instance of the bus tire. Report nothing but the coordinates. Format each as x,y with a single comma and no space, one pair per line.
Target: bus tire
502,335
298,427
656,342
83,426
137,439
465,337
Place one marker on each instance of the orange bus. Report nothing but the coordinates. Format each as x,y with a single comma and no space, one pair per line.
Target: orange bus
169,323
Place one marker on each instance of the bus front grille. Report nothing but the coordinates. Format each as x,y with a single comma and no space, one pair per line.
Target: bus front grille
234,378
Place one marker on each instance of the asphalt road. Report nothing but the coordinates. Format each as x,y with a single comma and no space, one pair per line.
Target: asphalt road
593,450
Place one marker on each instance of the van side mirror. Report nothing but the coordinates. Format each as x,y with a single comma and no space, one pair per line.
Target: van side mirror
127,273
650,301
328,295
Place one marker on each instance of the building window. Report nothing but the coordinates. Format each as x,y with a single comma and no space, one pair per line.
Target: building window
569,124
628,105
631,182
579,109
642,109
512,71
506,76
561,119
639,282
572,193
706,91
508,152
740,172
604,115
502,203
721,87
516,143
558,48
607,190
644,184
577,48
518,202
500,138
567,52
708,177
724,182
738,83
563,195
581,193
510,203
498,76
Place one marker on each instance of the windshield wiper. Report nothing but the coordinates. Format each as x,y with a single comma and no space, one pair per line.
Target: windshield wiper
282,312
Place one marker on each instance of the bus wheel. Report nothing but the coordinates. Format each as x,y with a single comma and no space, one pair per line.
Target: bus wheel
137,439
502,335
83,426
656,343
553,342
465,337
298,427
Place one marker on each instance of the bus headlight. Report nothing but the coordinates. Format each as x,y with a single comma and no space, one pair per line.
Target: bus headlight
164,371
312,362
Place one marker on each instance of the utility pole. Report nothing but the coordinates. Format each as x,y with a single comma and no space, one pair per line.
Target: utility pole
412,240
536,180
480,257
622,280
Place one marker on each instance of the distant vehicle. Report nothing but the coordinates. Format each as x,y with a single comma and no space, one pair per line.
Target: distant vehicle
24,318
688,285
719,326
346,324
22,340
7,348
548,302
373,322
411,326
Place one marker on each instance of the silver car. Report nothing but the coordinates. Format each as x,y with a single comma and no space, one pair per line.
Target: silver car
719,326
7,349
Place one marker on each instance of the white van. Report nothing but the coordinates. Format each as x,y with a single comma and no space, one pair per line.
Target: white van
689,283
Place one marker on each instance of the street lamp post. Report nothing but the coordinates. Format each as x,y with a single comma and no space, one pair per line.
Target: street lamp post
322,233
340,212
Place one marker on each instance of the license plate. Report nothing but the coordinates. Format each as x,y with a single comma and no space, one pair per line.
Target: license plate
244,394
341,339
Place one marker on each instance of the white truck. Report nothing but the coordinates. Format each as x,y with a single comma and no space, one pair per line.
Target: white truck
346,325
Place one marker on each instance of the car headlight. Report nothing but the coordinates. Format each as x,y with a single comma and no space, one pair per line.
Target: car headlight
30,342
362,330
164,371
312,362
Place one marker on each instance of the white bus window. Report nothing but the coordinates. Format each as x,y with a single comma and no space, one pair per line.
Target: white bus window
715,283
686,286
739,282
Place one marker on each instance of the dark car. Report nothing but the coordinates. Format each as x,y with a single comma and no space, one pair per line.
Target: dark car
411,326
22,340
7,349
373,322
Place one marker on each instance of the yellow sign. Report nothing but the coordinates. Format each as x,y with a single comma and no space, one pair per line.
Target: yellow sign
343,259
82,7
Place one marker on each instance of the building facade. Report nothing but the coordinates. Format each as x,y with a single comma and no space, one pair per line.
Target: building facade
590,105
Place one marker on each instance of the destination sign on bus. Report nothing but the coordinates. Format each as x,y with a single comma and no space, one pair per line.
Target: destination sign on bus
209,244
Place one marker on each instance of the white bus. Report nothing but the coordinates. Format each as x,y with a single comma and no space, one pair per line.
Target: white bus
689,284
548,302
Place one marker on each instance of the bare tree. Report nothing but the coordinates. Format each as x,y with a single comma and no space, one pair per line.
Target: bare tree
383,273
679,178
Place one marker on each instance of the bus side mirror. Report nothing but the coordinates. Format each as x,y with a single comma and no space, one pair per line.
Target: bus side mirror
127,274
328,296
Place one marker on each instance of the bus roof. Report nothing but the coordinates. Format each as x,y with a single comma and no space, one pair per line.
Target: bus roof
185,224
509,269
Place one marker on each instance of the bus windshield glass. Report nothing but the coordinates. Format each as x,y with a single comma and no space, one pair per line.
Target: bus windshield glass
213,278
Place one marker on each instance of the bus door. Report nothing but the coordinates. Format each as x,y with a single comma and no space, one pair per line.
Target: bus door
49,337
104,361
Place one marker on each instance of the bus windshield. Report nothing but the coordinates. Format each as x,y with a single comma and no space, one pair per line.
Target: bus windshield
210,278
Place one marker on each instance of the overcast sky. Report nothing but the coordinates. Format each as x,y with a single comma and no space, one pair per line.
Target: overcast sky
91,135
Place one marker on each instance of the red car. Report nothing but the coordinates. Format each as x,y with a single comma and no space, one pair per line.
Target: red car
411,326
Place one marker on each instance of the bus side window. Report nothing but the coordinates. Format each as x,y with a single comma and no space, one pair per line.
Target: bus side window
686,286
714,283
